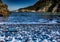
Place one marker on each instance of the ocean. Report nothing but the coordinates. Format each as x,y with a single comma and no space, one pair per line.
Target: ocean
30,27
32,17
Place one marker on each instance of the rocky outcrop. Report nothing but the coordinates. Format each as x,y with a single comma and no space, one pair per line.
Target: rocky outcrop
43,6
3,9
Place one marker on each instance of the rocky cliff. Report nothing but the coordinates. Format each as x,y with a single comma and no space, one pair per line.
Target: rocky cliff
3,9
43,6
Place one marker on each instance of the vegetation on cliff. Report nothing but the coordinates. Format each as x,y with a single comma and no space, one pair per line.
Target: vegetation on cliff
3,9
43,6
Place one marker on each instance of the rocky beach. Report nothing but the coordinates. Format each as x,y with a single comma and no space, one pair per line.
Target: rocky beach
39,22
29,33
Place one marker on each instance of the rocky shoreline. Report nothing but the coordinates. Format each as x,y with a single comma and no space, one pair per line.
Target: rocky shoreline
43,6
4,9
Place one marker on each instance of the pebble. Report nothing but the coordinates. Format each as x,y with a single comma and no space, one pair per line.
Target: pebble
32,34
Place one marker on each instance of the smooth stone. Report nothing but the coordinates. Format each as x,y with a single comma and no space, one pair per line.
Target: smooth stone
12,30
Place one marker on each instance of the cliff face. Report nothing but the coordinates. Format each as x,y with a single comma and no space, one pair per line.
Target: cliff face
43,6
3,9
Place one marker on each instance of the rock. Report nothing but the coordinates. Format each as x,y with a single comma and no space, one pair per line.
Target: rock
3,9
9,38
12,30
2,39
43,6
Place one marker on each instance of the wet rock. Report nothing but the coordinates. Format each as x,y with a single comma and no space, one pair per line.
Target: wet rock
12,29
1,41
8,38
37,35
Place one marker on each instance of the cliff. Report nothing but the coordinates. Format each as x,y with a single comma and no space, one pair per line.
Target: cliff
43,6
3,9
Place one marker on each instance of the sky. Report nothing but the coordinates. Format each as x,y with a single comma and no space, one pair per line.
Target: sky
16,4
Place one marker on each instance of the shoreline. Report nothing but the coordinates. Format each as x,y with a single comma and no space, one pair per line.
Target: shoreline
46,13
37,23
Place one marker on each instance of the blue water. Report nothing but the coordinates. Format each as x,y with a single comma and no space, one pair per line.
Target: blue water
30,32
32,17
28,17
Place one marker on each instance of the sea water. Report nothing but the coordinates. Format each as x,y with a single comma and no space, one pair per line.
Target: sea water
32,17
30,27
